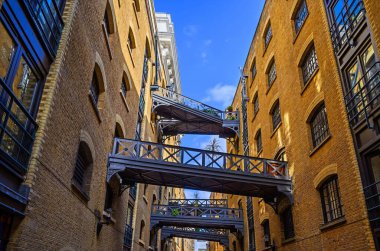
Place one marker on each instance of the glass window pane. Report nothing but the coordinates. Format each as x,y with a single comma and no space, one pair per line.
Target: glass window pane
354,74
24,83
7,50
368,58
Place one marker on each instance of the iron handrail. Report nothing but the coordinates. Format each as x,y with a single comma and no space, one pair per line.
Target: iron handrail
199,202
191,157
197,212
196,230
194,104
361,97
350,16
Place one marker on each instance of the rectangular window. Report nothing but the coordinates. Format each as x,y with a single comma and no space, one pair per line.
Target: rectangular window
259,144
267,240
47,13
94,89
124,88
254,70
256,104
301,16
331,204
272,74
309,65
287,222
276,115
268,36
319,126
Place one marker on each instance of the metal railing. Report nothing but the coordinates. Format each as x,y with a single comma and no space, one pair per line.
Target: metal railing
142,104
219,213
191,157
196,105
372,197
49,20
199,202
346,22
17,128
196,230
128,236
363,97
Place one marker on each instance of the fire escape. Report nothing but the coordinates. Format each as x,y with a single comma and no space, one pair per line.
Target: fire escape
136,161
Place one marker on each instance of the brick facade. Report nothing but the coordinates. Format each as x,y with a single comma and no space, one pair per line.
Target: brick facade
297,101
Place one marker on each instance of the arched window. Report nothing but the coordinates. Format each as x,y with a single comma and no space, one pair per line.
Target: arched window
142,228
281,155
125,86
258,139
255,104
319,125
118,131
271,73
309,64
253,69
97,87
286,217
108,20
109,198
83,169
331,205
268,35
276,115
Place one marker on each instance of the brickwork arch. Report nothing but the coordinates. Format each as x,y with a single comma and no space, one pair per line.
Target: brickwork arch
120,125
324,174
307,44
317,101
102,80
110,12
86,138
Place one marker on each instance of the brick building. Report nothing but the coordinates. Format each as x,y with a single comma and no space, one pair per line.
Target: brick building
312,78
81,73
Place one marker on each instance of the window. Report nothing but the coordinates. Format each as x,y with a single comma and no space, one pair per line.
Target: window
272,74
142,227
145,188
124,87
83,169
301,16
253,70
281,155
276,115
21,88
287,223
319,126
136,4
259,144
268,36
309,64
266,230
109,198
94,89
255,104
131,42
331,205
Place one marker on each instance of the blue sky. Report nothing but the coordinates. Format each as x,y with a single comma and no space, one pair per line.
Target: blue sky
213,39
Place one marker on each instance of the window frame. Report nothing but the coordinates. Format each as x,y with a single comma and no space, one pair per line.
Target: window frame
299,10
309,64
318,137
268,35
256,105
276,115
328,218
259,141
271,73
286,217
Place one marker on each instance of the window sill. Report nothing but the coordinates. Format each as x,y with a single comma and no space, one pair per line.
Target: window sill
290,240
124,101
254,115
333,224
275,129
109,215
96,109
309,81
315,149
141,243
78,190
106,36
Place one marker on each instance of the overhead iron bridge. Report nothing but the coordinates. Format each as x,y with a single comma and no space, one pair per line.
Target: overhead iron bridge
198,217
164,165
182,115
204,234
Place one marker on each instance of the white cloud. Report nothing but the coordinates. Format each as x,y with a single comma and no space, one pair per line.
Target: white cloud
207,42
221,93
190,30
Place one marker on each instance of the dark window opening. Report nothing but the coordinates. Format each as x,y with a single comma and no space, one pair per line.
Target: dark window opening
94,89
276,115
109,198
267,241
268,36
287,223
83,168
272,74
142,227
256,104
259,144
